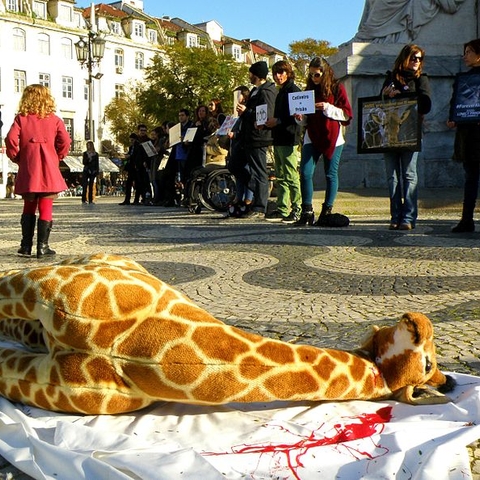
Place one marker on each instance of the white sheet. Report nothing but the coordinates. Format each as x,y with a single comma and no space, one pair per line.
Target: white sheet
350,440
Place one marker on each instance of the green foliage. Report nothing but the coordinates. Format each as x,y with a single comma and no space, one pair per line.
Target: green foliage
124,114
302,51
187,77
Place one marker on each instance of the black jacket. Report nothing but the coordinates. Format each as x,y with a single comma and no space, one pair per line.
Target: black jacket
288,131
264,94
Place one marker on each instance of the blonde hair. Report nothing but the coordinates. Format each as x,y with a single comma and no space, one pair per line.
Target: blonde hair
36,100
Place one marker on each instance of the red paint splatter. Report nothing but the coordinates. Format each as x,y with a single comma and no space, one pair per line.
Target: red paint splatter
366,425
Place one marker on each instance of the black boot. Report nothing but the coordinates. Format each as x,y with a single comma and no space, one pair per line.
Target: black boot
321,222
28,229
464,226
44,228
307,217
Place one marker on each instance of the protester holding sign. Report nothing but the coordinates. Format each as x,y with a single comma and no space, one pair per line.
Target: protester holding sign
258,138
467,139
286,138
406,78
323,138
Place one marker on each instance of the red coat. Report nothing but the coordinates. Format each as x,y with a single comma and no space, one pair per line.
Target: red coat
37,145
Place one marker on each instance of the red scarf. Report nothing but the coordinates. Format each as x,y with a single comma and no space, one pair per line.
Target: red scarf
323,131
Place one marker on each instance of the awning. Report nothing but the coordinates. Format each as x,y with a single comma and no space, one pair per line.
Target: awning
11,167
74,164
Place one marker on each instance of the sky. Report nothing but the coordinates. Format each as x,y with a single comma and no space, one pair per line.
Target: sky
276,22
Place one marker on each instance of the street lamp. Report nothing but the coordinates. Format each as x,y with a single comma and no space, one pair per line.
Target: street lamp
90,52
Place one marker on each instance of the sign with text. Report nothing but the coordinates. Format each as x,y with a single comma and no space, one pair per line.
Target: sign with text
175,134
466,98
301,102
261,114
190,134
227,125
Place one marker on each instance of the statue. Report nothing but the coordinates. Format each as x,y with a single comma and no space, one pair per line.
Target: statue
399,21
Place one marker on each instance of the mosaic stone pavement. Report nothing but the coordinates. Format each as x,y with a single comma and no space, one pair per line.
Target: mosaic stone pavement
302,284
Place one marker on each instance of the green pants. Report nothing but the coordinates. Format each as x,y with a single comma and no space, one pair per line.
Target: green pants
289,196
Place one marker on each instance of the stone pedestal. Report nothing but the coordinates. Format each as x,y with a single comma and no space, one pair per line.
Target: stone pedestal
362,68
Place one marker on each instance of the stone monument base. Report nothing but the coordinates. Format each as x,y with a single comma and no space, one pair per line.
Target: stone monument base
362,68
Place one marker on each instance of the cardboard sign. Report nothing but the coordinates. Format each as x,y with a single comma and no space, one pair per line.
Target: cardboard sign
301,102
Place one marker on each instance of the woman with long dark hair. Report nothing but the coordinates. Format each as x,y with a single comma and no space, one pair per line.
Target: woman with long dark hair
323,138
401,165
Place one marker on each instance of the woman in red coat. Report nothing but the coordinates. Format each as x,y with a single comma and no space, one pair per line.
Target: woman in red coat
37,141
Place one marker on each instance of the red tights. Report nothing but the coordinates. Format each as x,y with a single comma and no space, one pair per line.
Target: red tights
44,205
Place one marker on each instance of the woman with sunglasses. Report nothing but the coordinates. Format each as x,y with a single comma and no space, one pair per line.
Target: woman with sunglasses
467,143
401,165
323,137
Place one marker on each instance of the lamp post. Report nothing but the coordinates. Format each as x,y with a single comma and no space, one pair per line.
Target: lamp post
90,51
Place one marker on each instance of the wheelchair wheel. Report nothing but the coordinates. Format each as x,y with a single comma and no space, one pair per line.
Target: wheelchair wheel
219,189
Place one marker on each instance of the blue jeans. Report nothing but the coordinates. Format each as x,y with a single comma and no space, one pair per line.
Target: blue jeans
259,184
402,180
310,157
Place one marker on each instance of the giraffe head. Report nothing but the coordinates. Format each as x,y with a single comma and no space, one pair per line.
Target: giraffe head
405,355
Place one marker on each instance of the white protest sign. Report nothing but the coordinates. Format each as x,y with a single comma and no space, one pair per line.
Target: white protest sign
175,134
301,102
190,134
261,114
227,125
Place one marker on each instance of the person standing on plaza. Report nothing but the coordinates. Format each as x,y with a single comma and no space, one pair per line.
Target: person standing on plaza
286,138
467,143
37,141
129,168
401,165
257,138
141,162
91,168
323,138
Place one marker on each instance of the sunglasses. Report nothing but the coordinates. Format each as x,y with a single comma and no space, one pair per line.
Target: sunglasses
415,58
315,75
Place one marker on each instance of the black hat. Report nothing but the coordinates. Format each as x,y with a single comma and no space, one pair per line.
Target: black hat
259,69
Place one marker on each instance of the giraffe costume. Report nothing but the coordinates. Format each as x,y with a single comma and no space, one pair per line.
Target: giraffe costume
100,335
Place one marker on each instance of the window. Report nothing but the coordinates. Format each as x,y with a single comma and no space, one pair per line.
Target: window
119,91
237,53
19,41
192,40
12,5
19,81
40,9
43,44
139,60
65,13
152,36
115,28
67,48
69,127
118,57
67,87
138,29
44,79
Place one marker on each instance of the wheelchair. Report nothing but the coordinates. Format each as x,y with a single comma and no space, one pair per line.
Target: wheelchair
212,187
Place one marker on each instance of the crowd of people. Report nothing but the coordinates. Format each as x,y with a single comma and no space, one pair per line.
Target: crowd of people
157,171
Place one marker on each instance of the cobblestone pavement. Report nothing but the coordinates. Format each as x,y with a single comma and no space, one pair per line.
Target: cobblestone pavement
302,284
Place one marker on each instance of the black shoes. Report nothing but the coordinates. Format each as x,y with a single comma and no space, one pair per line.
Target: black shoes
307,217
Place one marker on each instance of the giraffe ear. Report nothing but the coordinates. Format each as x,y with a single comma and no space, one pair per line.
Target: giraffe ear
366,348
420,395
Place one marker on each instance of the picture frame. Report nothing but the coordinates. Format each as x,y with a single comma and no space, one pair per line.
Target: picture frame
466,98
387,124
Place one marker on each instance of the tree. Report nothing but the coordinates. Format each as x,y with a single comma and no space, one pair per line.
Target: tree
124,114
302,51
187,77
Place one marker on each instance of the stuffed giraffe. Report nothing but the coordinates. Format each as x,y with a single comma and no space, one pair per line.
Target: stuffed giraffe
100,335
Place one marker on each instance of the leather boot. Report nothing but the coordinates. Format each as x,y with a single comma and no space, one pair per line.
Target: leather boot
28,229
322,219
43,232
307,217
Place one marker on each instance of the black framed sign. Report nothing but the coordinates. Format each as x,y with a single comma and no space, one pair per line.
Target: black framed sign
466,98
386,124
